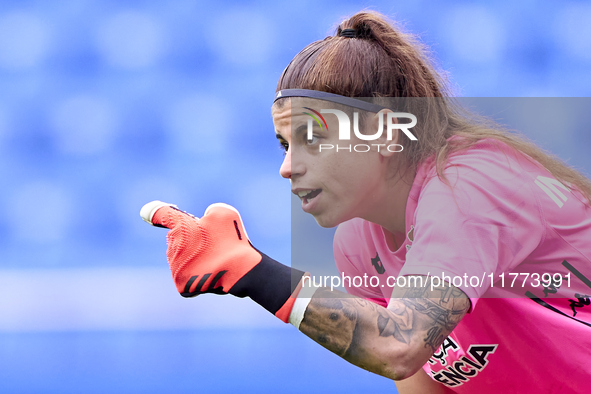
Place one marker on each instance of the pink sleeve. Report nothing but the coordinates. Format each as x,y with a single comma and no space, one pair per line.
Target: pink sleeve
349,261
488,221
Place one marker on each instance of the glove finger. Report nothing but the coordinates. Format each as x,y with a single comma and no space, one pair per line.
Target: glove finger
148,210
170,217
229,213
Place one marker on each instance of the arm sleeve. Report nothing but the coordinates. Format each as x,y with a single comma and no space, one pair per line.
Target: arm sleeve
485,221
349,261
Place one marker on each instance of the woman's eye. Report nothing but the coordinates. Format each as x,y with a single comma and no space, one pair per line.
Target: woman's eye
312,141
284,146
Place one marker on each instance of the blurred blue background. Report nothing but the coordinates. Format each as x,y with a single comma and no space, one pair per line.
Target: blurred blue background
106,105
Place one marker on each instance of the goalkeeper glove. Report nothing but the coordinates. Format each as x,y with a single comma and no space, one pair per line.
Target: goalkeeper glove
213,254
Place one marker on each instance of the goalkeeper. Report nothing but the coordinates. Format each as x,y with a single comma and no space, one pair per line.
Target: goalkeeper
462,198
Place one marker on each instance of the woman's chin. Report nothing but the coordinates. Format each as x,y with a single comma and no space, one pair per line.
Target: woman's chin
327,221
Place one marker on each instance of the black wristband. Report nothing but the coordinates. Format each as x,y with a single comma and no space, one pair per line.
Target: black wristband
269,284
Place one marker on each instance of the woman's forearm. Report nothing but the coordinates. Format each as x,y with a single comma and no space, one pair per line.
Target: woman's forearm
395,341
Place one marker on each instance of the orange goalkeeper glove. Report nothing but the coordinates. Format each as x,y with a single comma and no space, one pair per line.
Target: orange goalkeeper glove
213,254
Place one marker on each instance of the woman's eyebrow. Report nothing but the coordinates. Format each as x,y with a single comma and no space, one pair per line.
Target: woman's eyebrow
297,132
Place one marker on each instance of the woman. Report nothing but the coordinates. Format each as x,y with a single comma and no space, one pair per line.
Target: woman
456,198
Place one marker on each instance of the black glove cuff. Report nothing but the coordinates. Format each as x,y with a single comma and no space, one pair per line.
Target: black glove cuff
269,284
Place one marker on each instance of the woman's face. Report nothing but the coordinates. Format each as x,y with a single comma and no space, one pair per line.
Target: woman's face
334,185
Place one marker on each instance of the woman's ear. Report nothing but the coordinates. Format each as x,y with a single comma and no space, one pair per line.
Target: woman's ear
385,147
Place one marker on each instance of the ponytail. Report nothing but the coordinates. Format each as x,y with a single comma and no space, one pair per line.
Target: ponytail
380,61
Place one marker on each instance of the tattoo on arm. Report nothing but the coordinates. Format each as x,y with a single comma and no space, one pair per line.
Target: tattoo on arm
441,309
330,320
415,315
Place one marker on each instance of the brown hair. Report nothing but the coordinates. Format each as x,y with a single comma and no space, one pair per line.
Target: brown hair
383,61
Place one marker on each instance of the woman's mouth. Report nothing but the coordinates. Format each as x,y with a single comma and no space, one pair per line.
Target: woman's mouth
307,195
309,198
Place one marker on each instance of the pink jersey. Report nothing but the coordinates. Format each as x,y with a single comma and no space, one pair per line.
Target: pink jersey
505,223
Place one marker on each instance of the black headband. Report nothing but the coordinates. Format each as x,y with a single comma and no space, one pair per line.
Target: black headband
334,98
